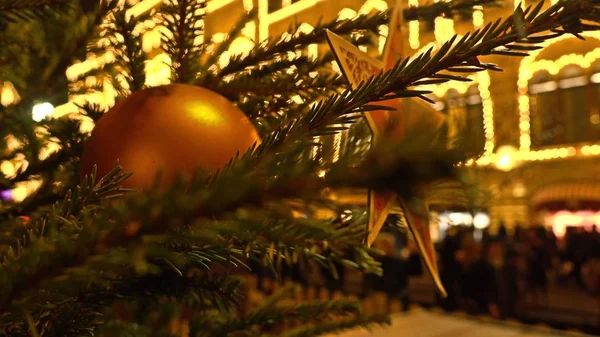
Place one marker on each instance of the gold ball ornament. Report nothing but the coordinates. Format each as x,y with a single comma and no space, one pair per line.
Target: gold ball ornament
173,129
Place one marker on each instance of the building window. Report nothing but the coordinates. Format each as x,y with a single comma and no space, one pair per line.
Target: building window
465,115
274,5
564,107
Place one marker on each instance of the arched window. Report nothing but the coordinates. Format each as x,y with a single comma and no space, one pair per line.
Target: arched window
465,114
564,107
547,123
474,121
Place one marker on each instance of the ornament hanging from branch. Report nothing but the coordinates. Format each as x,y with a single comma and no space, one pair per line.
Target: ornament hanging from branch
396,125
173,129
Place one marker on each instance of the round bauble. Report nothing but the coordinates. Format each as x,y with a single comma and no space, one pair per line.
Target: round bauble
176,129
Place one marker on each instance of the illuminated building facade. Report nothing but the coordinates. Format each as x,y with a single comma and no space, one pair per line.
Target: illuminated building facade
540,117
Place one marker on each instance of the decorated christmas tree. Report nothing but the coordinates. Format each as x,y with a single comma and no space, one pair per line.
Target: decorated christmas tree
141,215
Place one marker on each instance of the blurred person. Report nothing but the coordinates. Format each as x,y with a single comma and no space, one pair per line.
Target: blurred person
538,264
450,268
494,282
502,231
396,270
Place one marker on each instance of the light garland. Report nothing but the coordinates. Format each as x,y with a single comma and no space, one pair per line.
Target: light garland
528,68
413,28
443,30
478,17
482,79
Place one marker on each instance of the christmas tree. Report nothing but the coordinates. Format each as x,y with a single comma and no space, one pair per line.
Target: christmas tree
163,252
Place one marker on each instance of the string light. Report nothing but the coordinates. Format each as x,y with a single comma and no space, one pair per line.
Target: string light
346,14
413,28
8,94
313,49
530,66
482,79
383,34
41,111
478,17
444,28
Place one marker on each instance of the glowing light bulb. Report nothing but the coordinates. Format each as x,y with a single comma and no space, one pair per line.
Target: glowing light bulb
41,111
481,220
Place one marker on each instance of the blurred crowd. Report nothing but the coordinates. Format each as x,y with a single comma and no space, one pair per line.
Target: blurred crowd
499,274
483,274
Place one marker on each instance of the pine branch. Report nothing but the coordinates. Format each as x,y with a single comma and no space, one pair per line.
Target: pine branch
294,40
337,326
184,22
65,130
121,31
132,56
12,11
273,310
459,57
447,9
271,173
208,74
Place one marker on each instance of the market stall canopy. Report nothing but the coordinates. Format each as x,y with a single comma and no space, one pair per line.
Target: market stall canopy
421,323
567,195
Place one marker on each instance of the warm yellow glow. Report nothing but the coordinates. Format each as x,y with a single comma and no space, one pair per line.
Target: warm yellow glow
218,37
286,11
313,49
205,113
7,168
482,79
413,28
528,67
8,94
142,7
518,3
383,34
347,14
263,19
336,67
158,70
444,29
337,145
507,157
369,5
151,40
48,149
478,18
41,111
214,5
24,189
321,173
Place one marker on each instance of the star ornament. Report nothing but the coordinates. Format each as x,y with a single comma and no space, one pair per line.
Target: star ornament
395,125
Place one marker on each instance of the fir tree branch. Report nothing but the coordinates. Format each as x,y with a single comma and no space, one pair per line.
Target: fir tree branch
294,40
64,214
459,57
337,326
12,11
271,177
184,22
447,9
130,51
